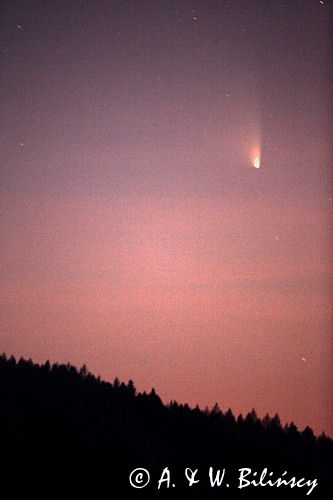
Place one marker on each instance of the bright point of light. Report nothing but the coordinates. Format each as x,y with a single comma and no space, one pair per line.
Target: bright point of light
255,157
256,162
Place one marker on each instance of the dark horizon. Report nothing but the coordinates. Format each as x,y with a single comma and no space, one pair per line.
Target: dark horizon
66,432
115,381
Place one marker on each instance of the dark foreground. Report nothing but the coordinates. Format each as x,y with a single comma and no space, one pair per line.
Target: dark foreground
65,434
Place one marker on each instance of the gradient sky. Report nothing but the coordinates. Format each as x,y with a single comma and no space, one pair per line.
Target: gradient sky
136,235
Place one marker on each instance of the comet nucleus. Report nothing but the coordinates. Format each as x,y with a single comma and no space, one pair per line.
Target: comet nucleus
256,162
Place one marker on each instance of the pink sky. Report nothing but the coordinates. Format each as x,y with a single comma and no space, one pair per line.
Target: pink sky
136,235
206,300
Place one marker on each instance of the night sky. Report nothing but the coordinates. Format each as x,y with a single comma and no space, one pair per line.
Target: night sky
137,236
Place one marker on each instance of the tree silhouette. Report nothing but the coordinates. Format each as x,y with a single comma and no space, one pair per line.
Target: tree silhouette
66,434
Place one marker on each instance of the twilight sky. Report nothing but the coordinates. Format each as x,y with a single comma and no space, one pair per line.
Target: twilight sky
137,236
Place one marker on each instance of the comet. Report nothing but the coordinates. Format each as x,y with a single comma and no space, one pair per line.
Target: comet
256,162
255,156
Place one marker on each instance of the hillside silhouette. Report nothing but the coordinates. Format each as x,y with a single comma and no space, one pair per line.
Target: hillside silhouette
67,434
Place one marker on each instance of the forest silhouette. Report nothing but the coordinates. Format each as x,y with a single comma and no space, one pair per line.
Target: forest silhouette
68,434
